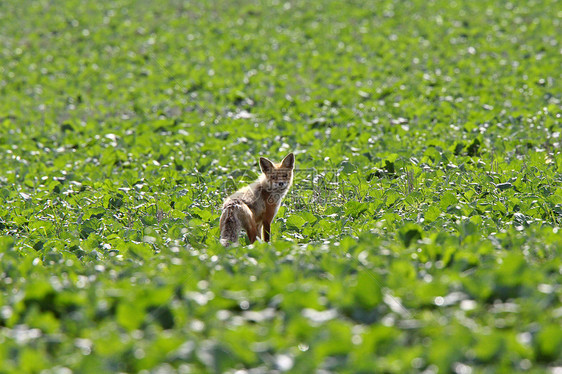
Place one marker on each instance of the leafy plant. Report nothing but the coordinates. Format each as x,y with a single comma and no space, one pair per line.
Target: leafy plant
422,232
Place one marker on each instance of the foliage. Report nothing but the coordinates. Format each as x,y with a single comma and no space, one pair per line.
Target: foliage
422,232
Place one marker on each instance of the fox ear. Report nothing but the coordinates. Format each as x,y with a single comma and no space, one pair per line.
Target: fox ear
288,161
266,165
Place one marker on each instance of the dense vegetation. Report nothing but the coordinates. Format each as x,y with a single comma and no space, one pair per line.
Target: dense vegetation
422,232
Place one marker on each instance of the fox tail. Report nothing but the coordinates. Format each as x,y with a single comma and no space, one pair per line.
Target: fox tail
235,216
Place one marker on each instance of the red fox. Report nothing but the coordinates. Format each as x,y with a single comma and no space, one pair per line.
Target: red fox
253,207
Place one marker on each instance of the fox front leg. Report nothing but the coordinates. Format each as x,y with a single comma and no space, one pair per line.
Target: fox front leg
266,231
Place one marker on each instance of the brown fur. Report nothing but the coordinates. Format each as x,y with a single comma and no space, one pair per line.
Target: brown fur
253,207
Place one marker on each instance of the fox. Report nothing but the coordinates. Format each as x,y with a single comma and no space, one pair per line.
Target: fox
253,207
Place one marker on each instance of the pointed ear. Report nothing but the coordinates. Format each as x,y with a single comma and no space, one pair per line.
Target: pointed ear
288,161
266,165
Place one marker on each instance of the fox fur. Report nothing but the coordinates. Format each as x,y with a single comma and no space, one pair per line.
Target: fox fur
253,207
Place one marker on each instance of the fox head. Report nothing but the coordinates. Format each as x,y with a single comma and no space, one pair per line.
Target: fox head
278,176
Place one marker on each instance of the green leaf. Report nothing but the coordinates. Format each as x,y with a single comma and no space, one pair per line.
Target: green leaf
355,208
432,214
410,233
129,315
296,221
548,342
447,199
367,291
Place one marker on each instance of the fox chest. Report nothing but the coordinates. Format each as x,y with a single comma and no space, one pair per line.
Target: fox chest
266,212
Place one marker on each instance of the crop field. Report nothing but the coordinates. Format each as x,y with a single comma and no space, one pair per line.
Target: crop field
421,234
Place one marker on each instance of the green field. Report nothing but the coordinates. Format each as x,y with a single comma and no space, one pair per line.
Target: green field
422,233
